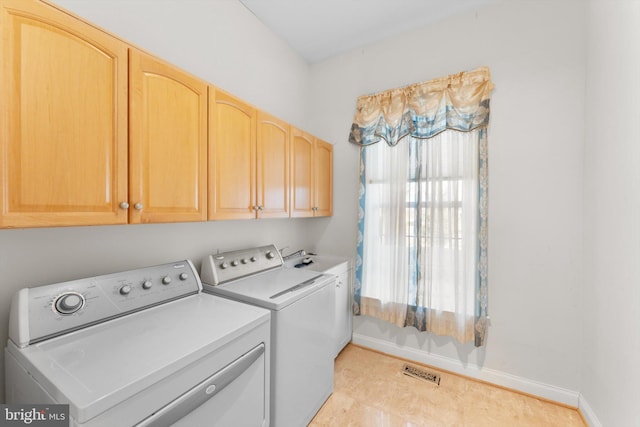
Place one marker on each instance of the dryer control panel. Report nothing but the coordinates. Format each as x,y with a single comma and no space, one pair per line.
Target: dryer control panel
47,311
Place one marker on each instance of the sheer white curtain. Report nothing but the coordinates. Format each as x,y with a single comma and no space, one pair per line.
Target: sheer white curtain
421,229
385,226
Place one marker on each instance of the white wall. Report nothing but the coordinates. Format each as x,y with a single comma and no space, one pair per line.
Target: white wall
611,317
536,53
224,44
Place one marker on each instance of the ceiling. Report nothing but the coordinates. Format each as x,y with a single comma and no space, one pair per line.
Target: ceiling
320,29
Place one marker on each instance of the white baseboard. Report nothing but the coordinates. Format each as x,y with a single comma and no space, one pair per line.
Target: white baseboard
535,388
588,414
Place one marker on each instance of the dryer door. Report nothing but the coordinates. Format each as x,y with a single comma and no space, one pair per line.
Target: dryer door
233,396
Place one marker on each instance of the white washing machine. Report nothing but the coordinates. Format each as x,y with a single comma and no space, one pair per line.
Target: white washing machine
140,348
302,312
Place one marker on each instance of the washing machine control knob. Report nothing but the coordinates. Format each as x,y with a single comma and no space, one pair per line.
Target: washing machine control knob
234,263
166,280
253,259
183,276
224,265
69,303
147,284
270,255
125,290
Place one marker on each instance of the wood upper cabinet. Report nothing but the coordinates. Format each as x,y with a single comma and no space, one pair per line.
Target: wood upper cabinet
272,167
323,170
94,131
302,177
63,119
232,157
167,142
248,161
311,176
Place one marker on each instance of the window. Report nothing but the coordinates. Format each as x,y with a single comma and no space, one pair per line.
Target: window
422,231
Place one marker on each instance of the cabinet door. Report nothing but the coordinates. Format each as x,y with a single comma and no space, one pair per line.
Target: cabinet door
232,157
302,177
63,123
323,170
167,143
272,168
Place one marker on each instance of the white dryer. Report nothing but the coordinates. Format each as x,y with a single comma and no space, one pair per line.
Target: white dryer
140,348
302,312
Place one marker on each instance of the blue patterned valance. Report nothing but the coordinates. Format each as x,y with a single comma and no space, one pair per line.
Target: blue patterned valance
422,110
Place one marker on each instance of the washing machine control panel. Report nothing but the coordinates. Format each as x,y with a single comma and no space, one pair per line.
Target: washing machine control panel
46,311
223,267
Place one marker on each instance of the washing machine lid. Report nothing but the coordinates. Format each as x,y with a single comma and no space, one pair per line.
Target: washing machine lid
273,289
97,367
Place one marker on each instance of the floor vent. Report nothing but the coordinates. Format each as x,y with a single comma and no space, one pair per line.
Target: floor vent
421,374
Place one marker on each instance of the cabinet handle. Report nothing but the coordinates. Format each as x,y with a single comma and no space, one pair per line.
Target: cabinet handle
260,208
124,205
138,206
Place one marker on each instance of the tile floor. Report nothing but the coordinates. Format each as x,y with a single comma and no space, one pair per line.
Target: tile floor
371,391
